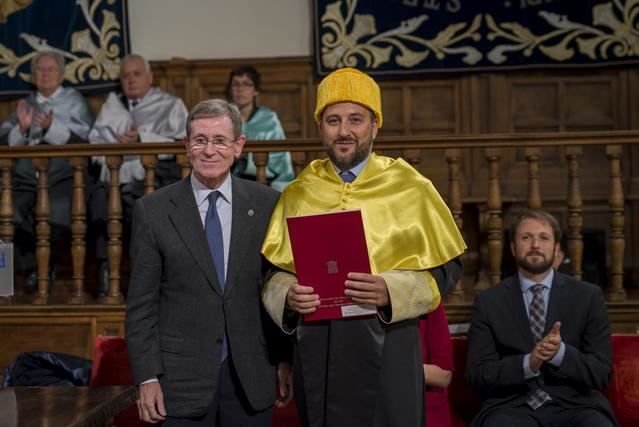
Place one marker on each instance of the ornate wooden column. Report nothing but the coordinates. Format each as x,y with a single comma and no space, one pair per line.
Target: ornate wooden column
453,157
413,157
7,230
260,159
185,164
43,230
78,230
534,193
575,216
494,217
616,292
114,229
149,162
299,161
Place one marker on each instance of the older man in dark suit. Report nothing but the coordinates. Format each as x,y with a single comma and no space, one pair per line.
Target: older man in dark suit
539,342
201,348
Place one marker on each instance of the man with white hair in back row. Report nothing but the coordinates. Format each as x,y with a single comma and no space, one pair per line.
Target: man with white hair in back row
52,115
139,113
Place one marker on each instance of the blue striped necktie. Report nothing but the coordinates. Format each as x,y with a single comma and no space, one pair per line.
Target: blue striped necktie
537,316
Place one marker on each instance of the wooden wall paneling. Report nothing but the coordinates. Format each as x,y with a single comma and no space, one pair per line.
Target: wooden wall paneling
70,335
7,108
437,108
535,105
285,100
498,104
633,97
590,104
395,108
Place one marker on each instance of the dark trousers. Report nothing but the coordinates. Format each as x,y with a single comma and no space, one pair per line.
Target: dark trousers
229,408
549,415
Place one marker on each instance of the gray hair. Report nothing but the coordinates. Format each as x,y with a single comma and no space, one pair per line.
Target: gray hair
130,56
216,108
59,60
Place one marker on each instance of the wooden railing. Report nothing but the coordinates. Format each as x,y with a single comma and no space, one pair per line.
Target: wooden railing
490,148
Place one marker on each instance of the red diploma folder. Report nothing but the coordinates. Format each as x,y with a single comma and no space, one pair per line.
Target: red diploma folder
326,247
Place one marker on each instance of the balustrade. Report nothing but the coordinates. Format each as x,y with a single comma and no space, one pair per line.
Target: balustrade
492,203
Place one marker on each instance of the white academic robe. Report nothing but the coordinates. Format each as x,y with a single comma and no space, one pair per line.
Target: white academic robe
158,117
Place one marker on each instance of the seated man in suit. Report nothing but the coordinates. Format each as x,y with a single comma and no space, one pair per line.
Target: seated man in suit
140,113
539,350
51,115
201,347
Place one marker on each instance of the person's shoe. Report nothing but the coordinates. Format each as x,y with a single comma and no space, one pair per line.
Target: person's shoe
103,279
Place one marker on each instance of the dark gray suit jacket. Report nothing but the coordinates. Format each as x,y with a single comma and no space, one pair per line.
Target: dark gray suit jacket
176,313
499,337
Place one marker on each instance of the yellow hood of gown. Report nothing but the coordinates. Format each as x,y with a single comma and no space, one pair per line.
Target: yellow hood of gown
407,224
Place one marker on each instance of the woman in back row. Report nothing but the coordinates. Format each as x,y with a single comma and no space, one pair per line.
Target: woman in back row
259,123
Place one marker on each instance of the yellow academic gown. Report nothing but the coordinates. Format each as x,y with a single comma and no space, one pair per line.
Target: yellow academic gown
367,372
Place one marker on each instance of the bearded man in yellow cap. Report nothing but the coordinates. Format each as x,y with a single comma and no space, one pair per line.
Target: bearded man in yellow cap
364,371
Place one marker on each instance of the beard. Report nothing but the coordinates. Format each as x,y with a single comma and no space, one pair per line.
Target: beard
536,267
361,153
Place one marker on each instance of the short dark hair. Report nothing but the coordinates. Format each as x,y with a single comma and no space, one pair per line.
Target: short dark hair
243,70
539,215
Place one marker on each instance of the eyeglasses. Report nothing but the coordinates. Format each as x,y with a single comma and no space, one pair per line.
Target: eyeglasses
219,142
49,70
244,85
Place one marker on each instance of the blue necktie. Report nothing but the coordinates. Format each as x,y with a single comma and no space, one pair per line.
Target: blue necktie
347,176
213,230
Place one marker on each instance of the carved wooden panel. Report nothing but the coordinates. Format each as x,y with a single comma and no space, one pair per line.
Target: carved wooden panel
71,335
393,109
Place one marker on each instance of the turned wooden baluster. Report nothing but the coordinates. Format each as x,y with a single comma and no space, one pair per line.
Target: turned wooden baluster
413,157
453,157
616,292
494,219
575,217
299,161
114,229
185,164
534,194
260,160
7,230
149,162
78,230
43,231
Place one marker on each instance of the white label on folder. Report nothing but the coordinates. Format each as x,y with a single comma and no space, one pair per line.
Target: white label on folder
358,310
6,269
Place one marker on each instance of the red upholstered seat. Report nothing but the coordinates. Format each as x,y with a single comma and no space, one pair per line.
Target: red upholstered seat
623,391
111,367
464,403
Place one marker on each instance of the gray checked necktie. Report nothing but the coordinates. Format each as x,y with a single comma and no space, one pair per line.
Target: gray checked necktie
537,316
347,176
213,231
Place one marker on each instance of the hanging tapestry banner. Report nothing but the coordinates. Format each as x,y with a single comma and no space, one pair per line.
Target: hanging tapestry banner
413,37
92,35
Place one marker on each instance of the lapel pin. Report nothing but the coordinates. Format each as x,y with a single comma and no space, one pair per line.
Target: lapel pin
251,212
